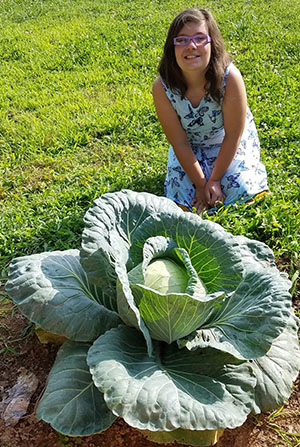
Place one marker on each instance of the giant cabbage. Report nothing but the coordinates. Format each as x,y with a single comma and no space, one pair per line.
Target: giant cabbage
173,324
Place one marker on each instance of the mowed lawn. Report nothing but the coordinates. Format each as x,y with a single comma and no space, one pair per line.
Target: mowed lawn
77,117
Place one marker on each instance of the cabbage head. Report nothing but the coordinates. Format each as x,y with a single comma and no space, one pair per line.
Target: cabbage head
172,323
162,275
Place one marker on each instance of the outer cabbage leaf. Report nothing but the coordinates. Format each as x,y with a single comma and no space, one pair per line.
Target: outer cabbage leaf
51,289
71,403
110,224
200,390
249,320
277,370
254,252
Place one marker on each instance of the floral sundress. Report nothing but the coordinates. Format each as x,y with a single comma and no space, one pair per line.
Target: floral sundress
246,175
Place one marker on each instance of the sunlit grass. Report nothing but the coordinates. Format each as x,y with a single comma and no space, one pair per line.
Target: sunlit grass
77,118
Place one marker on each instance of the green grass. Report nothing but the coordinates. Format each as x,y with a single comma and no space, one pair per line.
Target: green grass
77,117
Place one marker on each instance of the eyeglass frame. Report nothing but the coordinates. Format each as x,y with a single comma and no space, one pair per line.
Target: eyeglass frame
191,38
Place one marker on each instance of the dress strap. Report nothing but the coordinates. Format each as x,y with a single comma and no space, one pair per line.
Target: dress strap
163,83
173,96
226,72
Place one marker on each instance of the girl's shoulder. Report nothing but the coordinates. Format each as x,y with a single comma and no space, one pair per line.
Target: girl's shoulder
159,84
231,71
156,82
235,92
232,78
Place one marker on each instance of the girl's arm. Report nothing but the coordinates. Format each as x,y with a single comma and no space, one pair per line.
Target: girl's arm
234,114
176,135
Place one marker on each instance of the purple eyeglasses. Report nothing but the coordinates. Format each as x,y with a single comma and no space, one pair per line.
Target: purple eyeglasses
199,39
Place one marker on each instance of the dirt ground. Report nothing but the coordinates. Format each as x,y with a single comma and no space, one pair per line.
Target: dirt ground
24,353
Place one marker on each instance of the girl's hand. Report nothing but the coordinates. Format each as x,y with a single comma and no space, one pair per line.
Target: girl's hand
213,193
199,201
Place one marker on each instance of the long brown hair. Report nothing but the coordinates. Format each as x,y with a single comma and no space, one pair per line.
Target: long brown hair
219,60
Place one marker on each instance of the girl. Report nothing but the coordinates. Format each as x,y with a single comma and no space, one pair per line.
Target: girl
201,103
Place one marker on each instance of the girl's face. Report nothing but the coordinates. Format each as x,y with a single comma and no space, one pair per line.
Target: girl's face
193,57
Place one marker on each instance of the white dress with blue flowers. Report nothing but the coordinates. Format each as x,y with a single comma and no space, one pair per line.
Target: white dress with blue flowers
246,175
